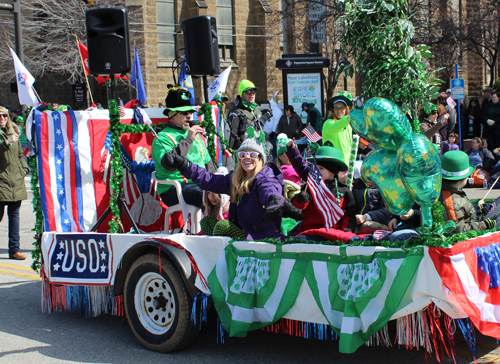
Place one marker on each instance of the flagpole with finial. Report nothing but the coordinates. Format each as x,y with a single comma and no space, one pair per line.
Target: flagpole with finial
83,65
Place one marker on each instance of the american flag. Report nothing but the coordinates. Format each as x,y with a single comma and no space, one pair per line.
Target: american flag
121,108
323,197
311,134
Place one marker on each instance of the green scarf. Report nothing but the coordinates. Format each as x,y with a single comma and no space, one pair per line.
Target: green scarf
250,106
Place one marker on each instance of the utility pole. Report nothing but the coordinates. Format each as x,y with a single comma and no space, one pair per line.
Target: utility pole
15,8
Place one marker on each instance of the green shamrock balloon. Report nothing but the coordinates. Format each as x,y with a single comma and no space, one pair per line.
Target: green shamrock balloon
379,169
381,122
419,166
404,161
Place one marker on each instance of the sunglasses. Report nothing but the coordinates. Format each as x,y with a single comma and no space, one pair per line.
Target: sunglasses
3,115
250,92
186,112
252,155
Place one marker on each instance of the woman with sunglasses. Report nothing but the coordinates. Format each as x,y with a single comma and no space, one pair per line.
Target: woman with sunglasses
13,169
255,188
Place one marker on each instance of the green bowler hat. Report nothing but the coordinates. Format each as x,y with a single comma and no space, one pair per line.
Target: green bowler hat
330,155
455,165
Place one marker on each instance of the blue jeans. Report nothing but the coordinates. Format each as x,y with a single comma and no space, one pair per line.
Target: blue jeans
13,209
401,235
192,194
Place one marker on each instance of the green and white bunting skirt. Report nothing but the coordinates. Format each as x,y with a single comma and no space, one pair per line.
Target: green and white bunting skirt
357,294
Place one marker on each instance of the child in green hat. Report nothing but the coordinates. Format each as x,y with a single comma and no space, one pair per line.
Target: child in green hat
456,169
330,162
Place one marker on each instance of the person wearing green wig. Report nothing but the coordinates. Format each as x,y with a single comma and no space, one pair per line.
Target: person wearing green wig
244,114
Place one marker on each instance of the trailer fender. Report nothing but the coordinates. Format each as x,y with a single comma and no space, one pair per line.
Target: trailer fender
176,256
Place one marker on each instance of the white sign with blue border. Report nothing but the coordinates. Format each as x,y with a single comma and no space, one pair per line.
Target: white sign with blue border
457,86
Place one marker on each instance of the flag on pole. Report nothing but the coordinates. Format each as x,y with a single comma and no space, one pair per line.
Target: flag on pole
323,197
25,82
311,134
219,85
138,80
121,108
186,81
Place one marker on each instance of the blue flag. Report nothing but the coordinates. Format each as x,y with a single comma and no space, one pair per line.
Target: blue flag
137,80
187,82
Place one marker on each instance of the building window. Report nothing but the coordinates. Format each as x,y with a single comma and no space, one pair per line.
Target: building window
165,17
225,28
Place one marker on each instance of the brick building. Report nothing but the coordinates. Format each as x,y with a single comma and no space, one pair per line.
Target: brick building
250,38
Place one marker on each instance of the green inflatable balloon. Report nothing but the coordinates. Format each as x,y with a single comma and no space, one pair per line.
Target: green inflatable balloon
381,122
379,168
419,166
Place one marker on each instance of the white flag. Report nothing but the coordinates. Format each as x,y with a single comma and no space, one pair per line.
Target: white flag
219,85
24,83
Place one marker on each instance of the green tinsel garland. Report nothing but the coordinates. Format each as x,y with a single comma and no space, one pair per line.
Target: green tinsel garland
211,132
37,209
115,128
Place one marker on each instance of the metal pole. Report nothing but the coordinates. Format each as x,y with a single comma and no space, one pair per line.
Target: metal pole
18,29
458,114
205,88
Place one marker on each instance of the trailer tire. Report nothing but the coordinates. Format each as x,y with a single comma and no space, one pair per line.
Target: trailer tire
158,305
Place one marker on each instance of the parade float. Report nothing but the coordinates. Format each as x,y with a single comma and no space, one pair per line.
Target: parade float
163,283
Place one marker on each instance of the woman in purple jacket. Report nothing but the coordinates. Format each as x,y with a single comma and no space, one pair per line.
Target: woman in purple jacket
255,188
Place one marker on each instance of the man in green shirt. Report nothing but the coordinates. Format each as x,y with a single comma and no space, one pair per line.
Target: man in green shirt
184,140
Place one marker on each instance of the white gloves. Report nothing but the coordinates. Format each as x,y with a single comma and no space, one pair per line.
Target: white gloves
490,122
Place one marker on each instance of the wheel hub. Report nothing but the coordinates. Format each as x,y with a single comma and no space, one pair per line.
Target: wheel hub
154,303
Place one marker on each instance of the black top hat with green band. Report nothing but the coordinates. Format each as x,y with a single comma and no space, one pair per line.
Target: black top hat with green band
455,165
178,99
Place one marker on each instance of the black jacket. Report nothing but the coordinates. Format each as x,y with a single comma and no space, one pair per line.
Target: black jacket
486,157
369,201
292,130
238,120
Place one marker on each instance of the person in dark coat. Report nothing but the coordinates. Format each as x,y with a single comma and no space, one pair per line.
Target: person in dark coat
255,188
290,123
485,107
13,169
480,157
329,161
472,127
492,128
371,212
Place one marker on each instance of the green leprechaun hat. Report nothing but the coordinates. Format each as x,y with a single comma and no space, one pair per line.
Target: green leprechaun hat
326,156
455,165
344,97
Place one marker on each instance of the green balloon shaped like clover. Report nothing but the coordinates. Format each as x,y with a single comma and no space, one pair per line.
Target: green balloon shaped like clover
405,160
379,169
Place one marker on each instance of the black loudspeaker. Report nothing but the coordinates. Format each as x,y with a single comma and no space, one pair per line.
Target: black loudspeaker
202,46
107,41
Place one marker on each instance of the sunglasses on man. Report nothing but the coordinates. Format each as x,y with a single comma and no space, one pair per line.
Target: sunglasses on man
186,112
250,92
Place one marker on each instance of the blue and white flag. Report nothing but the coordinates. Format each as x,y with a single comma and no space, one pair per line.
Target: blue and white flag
219,85
25,83
137,80
186,81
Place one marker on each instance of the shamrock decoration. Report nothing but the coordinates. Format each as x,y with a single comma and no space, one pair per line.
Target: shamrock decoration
406,167
184,96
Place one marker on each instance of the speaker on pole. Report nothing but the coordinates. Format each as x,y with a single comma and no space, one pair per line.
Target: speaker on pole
108,41
202,46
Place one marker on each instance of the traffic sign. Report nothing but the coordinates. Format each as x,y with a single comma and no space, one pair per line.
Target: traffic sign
457,86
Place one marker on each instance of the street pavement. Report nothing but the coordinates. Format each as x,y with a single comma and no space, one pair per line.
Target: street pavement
28,336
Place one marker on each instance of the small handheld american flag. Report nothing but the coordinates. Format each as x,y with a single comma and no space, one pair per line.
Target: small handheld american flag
323,197
311,134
